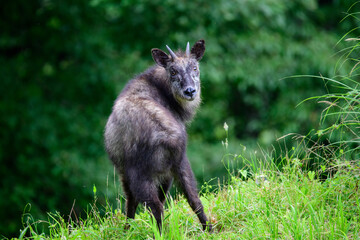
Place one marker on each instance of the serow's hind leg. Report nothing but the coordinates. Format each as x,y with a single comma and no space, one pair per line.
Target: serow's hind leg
145,191
131,203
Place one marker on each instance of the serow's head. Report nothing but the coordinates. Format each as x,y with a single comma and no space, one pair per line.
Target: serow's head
182,69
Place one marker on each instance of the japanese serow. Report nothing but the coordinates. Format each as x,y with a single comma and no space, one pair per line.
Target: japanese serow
145,135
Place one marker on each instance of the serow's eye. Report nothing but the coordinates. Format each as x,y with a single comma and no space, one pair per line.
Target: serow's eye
173,72
195,68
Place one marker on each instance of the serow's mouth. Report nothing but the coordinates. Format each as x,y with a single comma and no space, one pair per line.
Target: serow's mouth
188,98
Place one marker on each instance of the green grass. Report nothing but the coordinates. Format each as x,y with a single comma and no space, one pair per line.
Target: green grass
288,204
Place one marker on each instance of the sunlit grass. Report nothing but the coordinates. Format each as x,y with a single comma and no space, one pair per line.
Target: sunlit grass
288,204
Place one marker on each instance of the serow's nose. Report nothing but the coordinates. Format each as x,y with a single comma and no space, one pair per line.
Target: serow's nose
189,91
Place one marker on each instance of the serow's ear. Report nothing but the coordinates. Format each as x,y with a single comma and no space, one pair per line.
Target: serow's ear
160,57
198,49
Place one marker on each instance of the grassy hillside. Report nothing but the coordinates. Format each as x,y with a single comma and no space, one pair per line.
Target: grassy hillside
291,204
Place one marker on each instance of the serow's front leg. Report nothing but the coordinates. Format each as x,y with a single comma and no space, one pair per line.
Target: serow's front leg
187,183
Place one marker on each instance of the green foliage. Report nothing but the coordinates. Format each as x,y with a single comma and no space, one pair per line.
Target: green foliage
62,64
55,93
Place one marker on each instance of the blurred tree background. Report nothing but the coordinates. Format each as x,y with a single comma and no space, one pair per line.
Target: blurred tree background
63,63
